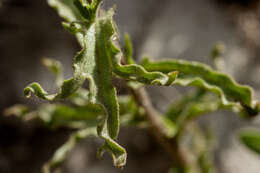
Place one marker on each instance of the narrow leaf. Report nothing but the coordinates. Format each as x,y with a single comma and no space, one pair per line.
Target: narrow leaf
61,153
128,50
200,75
66,9
69,86
192,105
55,67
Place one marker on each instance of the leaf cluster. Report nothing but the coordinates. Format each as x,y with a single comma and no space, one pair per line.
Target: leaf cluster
99,111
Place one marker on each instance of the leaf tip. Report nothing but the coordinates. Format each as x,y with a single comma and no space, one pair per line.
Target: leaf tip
27,92
172,76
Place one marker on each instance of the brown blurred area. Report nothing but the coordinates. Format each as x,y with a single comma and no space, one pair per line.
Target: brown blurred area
29,30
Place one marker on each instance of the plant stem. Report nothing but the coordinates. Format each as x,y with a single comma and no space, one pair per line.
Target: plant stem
171,145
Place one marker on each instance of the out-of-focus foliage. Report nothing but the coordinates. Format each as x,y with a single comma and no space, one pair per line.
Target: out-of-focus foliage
251,138
99,111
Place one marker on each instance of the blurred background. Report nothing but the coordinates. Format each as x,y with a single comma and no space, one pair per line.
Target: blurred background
185,29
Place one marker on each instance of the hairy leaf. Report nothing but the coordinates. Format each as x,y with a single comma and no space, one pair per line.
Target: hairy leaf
200,75
69,86
138,73
92,63
98,62
66,9
131,70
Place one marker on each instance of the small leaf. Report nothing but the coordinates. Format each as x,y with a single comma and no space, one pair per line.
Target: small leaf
128,50
118,153
68,87
88,10
66,9
55,67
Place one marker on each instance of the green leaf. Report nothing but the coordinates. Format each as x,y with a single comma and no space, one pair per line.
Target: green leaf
200,75
80,98
132,71
60,115
136,72
55,67
82,115
76,10
93,62
251,138
61,153
101,88
69,86
88,10
118,153
130,112
128,50
71,11
66,9
102,91
76,117
193,105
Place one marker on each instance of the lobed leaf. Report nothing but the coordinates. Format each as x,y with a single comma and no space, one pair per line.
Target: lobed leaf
200,75
92,63
131,70
137,73
102,91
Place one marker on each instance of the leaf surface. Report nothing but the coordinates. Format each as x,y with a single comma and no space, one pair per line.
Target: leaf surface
200,75
93,62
